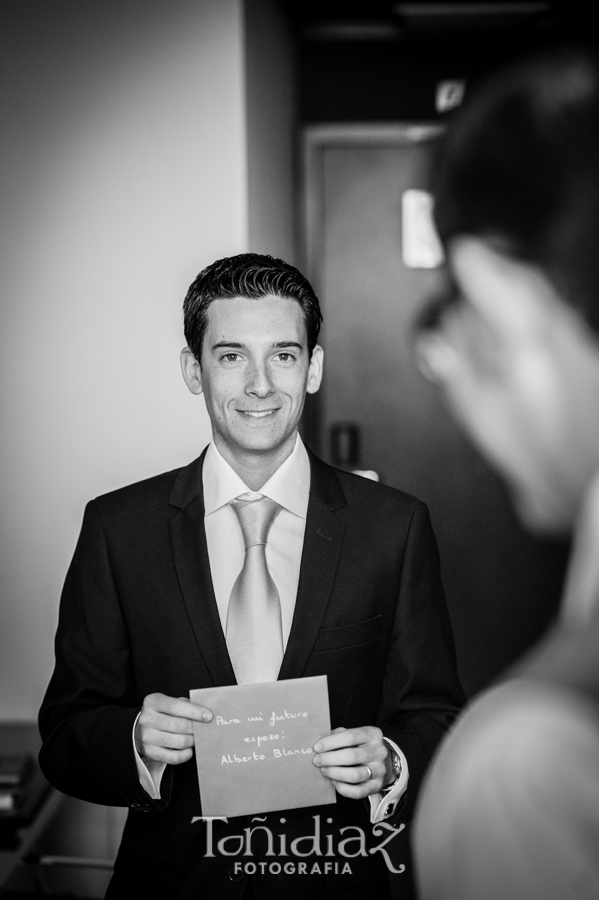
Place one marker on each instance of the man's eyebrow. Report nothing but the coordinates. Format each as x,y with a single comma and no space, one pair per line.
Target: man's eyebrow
237,345
221,344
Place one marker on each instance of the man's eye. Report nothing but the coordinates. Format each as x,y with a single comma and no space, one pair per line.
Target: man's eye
231,357
285,357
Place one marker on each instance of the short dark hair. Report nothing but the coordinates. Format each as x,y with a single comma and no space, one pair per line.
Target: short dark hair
251,275
520,164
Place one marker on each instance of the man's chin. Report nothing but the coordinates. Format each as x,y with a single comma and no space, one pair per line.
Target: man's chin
543,516
262,442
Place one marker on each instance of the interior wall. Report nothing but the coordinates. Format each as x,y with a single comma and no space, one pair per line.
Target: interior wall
271,96
140,141
124,170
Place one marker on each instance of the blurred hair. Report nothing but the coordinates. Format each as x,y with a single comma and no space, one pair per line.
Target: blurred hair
519,166
251,275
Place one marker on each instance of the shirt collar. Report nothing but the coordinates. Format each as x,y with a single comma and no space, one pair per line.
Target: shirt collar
289,486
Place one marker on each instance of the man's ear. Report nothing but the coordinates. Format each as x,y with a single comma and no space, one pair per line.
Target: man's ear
515,298
315,370
192,371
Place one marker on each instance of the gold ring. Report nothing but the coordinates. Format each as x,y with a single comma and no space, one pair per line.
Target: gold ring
370,775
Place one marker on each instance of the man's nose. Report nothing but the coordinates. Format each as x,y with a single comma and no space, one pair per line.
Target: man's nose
259,382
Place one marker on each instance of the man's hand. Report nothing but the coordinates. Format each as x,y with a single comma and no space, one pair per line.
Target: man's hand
356,760
164,731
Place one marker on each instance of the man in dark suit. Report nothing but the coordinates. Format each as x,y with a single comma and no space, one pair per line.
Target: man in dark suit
167,593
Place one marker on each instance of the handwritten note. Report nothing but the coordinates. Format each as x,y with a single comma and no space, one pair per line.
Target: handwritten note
256,754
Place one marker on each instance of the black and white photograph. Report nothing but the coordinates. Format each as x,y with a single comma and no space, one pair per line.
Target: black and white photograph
299,320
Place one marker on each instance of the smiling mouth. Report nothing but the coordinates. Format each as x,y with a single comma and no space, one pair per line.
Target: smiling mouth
257,414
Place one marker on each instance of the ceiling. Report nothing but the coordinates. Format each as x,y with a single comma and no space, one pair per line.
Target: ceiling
389,20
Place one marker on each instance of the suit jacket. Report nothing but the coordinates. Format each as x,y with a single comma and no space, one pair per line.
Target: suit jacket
138,615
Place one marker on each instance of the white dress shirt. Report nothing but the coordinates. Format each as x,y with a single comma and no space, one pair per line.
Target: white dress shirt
290,488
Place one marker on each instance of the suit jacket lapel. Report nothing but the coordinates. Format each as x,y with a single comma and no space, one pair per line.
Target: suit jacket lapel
325,526
190,551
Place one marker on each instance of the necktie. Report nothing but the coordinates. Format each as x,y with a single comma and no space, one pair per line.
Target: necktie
254,631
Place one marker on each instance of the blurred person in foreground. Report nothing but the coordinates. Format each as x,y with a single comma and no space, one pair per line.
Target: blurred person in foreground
510,808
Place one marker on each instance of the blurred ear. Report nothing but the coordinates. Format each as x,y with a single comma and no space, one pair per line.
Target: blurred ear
192,372
515,298
315,370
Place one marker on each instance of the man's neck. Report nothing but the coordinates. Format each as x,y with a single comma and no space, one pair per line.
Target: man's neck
253,467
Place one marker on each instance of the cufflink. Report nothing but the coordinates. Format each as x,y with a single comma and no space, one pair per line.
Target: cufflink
396,763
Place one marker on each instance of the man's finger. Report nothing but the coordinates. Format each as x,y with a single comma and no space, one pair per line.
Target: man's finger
355,791
170,740
165,755
162,722
347,756
372,775
348,737
178,707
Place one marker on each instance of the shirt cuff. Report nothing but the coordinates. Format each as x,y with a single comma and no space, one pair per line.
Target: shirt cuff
149,780
383,804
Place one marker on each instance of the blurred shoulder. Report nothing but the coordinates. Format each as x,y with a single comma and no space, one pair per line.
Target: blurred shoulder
510,805
523,735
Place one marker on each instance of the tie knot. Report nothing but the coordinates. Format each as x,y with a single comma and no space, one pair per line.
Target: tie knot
255,518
